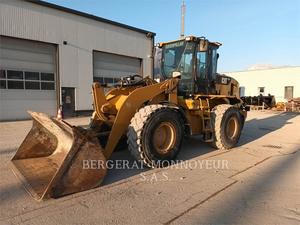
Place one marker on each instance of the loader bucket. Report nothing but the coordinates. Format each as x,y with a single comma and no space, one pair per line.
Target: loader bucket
54,159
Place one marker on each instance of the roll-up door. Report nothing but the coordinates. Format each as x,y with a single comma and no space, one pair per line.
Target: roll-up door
27,78
108,68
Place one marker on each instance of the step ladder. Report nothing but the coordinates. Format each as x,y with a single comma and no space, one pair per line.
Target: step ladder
206,121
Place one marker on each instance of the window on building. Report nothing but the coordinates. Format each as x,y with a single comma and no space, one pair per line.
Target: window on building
261,90
30,80
47,76
2,74
107,80
98,79
32,76
288,92
32,85
13,84
13,74
2,84
47,81
116,80
47,86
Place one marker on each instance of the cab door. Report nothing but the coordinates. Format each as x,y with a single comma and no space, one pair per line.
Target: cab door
201,86
206,70
212,69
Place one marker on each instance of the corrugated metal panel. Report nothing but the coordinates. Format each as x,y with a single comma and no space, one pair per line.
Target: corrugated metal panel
25,60
64,9
26,56
274,81
14,104
110,65
83,35
30,21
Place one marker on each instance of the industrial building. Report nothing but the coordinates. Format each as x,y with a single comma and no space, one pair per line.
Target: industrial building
50,55
283,83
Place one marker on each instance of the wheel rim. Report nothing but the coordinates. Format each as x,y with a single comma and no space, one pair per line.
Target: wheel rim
164,137
232,128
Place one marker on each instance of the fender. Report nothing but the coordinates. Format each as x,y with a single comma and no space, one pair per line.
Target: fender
132,103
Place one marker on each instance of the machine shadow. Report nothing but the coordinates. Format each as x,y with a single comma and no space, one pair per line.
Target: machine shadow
257,128
248,195
12,192
193,147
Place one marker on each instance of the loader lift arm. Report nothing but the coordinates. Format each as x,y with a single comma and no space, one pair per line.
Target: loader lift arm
192,98
130,105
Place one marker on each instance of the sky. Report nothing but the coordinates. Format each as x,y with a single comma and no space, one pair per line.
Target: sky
253,32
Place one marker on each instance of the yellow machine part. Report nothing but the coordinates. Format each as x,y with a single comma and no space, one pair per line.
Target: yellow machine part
125,105
54,159
51,160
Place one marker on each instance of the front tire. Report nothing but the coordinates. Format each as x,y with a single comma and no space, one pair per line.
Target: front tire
227,126
155,134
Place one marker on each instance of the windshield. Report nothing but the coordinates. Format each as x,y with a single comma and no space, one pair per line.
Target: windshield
172,54
179,56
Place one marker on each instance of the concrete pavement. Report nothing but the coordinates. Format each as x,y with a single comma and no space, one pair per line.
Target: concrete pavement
255,183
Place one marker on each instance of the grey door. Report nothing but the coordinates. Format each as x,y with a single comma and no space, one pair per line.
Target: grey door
68,101
288,92
108,68
27,78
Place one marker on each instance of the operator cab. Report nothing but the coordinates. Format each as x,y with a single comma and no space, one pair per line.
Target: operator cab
193,59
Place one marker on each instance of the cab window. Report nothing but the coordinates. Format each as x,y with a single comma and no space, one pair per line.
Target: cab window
201,65
185,67
214,59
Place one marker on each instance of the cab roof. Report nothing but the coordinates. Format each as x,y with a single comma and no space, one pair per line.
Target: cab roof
191,38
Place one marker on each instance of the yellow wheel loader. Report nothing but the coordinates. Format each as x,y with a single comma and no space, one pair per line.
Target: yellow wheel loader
187,97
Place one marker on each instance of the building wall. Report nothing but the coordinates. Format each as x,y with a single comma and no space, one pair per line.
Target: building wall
27,78
83,35
274,81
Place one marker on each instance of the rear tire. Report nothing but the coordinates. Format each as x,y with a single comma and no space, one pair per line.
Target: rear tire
155,134
227,124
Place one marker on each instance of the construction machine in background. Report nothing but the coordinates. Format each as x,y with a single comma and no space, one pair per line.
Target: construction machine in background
260,101
191,98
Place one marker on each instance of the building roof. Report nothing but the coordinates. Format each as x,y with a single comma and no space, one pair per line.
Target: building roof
257,70
90,16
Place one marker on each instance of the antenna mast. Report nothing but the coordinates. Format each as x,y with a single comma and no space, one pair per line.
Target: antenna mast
182,19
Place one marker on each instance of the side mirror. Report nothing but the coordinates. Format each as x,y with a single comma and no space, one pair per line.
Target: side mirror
176,74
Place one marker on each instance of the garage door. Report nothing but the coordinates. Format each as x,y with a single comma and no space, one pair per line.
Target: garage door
108,68
27,78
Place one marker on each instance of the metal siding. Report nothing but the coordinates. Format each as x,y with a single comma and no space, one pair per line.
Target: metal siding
274,81
26,56
83,93
30,21
14,104
109,65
